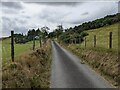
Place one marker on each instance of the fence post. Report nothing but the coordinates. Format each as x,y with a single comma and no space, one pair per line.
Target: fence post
33,43
40,41
110,40
12,46
85,42
94,40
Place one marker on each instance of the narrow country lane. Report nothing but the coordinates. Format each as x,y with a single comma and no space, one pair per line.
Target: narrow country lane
68,72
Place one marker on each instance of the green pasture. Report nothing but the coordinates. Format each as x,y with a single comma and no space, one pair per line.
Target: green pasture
18,49
102,39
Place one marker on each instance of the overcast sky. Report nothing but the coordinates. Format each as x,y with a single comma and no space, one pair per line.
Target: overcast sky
21,16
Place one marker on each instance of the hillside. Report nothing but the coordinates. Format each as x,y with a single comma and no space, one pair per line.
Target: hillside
101,58
77,33
101,22
102,38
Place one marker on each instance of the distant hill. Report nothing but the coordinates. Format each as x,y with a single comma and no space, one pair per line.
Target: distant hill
73,34
107,20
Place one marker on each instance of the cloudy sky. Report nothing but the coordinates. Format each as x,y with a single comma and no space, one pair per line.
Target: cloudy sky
21,16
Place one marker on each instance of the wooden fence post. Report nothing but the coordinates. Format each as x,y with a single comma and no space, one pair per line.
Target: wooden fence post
33,43
40,41
85,42
12,46
110,40
94,40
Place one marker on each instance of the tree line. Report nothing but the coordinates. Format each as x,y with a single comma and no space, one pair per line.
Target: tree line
31,34
76,34
69,35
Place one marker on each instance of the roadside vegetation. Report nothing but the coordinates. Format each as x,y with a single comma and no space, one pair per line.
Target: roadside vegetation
77,33
30,70
102,39
23,43
32,62
19,49
32,67
101,58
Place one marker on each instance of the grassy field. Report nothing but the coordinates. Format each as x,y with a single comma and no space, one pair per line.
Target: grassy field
19,49
102,39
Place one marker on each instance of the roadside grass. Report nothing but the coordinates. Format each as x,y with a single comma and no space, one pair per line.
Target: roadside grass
101,59
30,70
105,63
19,49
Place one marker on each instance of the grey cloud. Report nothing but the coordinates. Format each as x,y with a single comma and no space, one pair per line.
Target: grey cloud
15,21
27,17
57,3
119,7
76,22
21,21
85,13
13,5
5,18
9,11
15,24
103,11
20,30
80,21
6,26
53,16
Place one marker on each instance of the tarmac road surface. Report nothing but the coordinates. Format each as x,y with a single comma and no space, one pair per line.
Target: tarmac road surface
68,72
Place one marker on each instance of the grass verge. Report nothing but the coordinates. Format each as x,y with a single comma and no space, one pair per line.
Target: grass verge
101,59
106,64
31,70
